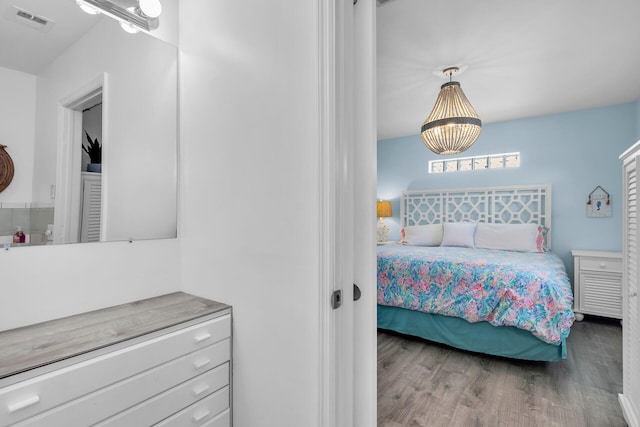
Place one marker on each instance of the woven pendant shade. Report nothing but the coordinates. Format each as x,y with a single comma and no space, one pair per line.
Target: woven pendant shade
453,125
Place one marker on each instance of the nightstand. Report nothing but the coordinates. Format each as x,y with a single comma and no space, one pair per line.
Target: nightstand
597,282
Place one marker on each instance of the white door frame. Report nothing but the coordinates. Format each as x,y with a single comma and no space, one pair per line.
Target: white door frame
347,200
364,218
69,156
332,387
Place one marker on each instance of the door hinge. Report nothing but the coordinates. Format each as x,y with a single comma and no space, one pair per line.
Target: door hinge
336,299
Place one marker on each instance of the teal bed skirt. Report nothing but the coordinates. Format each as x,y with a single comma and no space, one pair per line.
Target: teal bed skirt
481,337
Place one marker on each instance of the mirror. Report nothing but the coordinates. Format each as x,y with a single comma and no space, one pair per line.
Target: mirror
60,62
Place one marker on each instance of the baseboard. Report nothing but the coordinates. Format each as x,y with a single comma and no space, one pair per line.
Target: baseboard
629,411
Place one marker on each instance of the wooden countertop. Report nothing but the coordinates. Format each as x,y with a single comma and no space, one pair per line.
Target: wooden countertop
37,345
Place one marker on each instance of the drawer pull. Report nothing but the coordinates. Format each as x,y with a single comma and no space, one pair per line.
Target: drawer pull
603,265
202,337
199,416
201,363
32,400
198,390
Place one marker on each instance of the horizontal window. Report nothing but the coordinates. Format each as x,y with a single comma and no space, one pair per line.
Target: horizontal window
489,161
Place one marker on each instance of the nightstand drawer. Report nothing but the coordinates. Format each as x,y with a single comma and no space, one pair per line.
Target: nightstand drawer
601,265
31,397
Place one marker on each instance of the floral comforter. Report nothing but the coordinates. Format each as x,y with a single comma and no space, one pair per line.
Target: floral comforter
530,291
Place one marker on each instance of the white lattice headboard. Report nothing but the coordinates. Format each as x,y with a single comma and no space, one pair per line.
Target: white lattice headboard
505,205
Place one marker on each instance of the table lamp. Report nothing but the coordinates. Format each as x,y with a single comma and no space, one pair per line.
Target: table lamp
383,210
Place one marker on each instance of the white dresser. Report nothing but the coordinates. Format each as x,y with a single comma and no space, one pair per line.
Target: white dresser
597,282
163,361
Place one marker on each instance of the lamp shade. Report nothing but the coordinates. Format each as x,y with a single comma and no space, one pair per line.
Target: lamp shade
453,125
384,209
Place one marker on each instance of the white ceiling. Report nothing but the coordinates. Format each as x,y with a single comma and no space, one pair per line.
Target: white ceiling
523,58
28,49
520,58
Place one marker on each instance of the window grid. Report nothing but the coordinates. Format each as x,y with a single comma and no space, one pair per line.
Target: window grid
489,161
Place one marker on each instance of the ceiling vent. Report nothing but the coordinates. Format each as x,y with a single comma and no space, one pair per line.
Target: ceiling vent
25,17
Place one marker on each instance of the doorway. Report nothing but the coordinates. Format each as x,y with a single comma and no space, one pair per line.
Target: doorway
79,196
91,174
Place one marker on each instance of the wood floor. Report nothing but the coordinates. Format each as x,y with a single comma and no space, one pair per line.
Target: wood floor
426,384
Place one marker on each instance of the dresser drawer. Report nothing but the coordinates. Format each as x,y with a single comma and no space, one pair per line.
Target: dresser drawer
200,413
171,401
101,404
221,420
614,266
31,397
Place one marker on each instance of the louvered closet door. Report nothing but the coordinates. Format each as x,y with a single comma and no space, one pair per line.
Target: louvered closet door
91,214
631,318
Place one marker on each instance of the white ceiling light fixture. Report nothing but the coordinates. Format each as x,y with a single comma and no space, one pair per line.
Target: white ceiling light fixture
87,8
453,125
150,8
129,27
143,16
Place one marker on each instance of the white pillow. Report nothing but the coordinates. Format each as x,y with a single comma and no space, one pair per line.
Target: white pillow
423,235
459,234
508,237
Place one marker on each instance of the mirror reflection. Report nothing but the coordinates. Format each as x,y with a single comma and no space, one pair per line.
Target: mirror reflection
89,118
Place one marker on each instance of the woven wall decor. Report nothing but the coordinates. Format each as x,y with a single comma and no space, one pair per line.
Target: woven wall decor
6,168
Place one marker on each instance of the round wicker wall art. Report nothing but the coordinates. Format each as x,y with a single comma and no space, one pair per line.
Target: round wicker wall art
6,168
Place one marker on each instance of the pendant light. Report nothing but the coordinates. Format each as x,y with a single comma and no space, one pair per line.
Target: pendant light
453,125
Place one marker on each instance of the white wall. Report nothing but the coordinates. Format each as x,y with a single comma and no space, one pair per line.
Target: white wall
168,28
41,283
17,116
249,209
249,194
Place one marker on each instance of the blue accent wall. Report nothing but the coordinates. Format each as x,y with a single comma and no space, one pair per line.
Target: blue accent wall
574,152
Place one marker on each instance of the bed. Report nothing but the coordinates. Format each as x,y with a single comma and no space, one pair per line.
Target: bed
475,272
